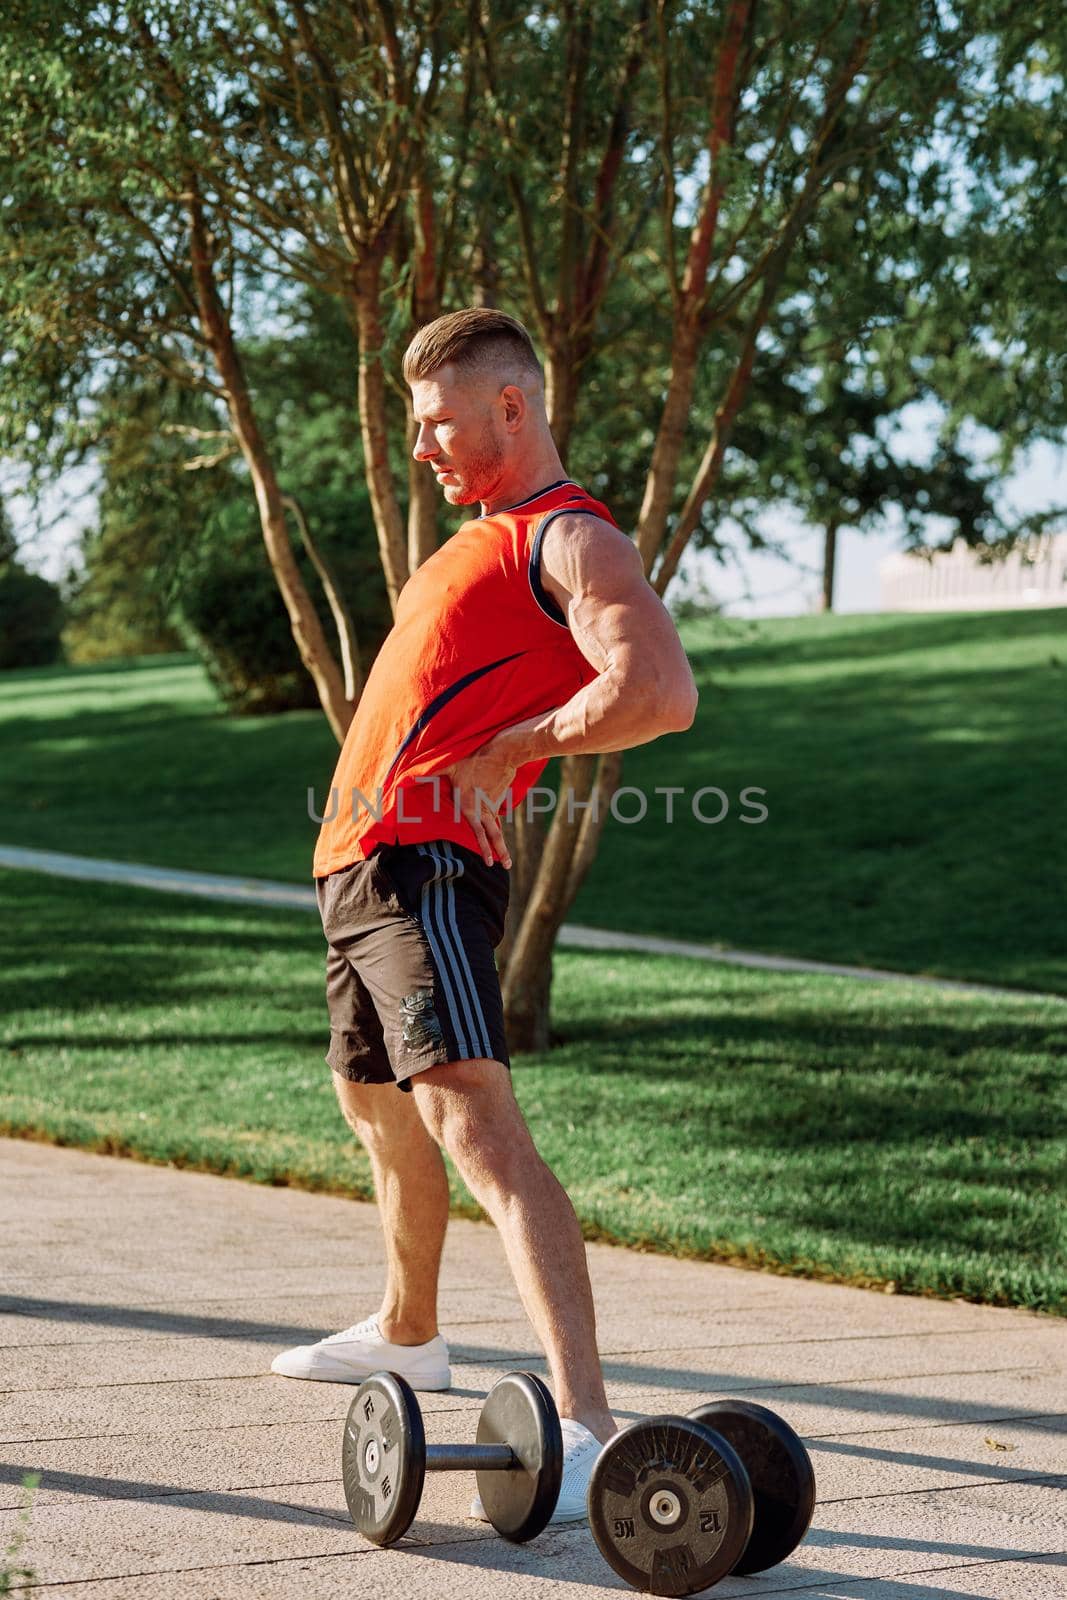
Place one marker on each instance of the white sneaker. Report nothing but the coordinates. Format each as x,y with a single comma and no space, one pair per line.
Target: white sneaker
357,1352
580,1450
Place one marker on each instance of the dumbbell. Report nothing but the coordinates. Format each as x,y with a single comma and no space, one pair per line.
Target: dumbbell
518,1457
677,1503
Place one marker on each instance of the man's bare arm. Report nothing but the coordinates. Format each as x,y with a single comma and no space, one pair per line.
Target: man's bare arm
645,686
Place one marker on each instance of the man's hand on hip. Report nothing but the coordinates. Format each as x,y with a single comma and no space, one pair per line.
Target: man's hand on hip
492,772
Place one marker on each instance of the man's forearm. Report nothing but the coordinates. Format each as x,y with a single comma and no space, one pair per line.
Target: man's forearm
608,714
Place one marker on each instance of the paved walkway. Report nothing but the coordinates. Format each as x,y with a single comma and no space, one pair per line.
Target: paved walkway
141,1307
265,892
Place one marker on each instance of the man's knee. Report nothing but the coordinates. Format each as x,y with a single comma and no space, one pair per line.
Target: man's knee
374,1111
469,1107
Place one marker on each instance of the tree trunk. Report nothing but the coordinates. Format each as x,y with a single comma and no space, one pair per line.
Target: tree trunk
550,864
525,836
527,979
829,562
303,618
605,782
347,642
670,439
485,269
374,423
548,872
422,500
571,845
561,392
425,306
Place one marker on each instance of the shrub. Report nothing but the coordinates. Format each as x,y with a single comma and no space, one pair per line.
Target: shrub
31,619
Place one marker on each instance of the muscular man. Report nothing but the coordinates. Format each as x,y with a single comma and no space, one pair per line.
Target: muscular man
531,632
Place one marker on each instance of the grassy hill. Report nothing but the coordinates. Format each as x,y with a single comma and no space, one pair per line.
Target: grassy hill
913,769
879,1134
873,1133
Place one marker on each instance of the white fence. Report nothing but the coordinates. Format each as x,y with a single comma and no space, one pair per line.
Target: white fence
1034,574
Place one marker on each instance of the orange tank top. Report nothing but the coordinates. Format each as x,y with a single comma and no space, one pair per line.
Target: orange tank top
478,644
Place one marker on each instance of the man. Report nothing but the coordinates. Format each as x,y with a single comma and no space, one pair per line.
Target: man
531,632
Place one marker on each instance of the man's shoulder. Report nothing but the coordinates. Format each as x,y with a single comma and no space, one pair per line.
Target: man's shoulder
583,551
583,541
580,523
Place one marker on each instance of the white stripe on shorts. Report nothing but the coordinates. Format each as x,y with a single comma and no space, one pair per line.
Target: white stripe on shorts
442,930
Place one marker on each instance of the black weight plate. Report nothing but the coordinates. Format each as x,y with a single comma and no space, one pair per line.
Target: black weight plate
521,1413
670,1505
383,1457
781,1474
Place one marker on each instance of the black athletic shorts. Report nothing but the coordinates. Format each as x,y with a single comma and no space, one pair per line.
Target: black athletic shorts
411,979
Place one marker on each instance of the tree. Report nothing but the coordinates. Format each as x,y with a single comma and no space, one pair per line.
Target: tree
122,248
834,462
666,171
174,548
121,598
892,328
31,609
9,545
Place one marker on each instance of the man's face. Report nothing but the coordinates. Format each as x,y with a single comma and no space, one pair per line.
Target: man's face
461,434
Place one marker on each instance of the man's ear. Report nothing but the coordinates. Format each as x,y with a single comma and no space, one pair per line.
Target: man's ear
515,406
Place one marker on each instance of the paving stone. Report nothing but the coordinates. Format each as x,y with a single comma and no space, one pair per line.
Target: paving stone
135,1371
883,1415
879,1540
271,1319
309,1452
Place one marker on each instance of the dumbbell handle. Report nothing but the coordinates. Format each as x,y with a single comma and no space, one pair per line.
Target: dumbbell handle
470,1457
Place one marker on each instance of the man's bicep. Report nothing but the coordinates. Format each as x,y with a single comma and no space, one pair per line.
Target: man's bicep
596,574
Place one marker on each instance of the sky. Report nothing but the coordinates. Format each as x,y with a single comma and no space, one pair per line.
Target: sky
753,585
763,585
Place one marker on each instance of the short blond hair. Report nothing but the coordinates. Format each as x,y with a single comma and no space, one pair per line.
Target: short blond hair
475,340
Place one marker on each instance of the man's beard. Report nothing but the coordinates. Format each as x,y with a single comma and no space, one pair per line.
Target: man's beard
479,474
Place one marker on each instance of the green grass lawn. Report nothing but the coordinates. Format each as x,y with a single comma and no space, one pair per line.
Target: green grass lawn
914,768
871,1133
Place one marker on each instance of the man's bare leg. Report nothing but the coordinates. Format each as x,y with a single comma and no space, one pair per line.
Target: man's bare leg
411,1185
469,1108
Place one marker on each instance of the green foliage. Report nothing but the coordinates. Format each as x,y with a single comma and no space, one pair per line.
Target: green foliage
31,619
8,542
875,1133
233,616
918,271
151,517
177,552
899,294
